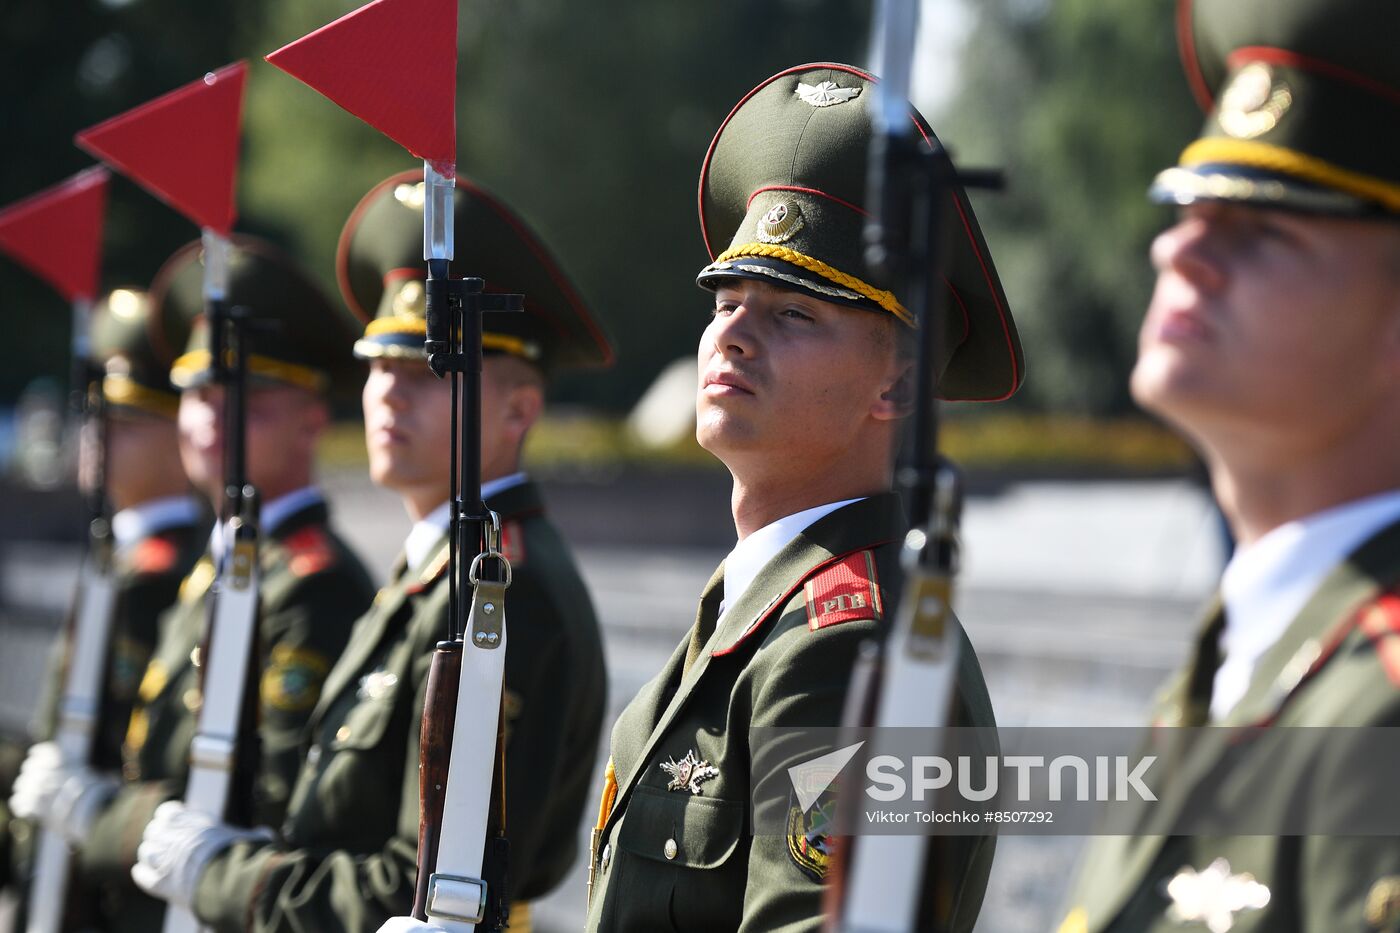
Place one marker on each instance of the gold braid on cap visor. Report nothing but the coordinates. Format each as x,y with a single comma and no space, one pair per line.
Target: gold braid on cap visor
419,327
184,369
884,299
1296,164
127,392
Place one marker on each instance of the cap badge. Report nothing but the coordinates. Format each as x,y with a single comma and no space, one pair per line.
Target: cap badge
1213,896
1254,102
411,302
826,94
782,222
125,304
689,772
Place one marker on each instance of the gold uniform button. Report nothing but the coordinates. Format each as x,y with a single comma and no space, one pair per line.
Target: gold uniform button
607,856
670,849
193,700
342,733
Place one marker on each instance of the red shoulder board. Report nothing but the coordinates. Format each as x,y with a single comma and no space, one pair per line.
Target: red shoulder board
154,555
310,551
843,592
513,543
1380,622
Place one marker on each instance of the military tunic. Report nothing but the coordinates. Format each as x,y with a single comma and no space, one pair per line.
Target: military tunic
669,858
347,857
312,588
1337,664
146,574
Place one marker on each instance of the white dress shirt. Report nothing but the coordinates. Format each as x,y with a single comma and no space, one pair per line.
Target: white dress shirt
1266,585
138,522
425,534
753,553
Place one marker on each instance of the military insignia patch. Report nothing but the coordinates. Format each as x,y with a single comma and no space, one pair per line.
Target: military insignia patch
154,555
689,773
809,834
311,551
843,592
1383,902
292,681
1254,102
782,222
1212,897
826,94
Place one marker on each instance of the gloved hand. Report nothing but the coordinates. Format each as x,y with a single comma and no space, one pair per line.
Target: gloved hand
177,845
40,777
409,925
78,802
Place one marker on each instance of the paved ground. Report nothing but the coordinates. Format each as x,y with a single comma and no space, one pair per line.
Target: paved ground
1079,598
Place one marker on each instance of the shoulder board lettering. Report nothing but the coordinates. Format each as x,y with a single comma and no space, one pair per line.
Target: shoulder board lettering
844,592
309,551
154,555
1380,622
513,543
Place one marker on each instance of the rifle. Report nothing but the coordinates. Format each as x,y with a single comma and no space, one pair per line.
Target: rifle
876,880
57,234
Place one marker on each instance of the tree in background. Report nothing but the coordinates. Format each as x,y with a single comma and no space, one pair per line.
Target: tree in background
1082,102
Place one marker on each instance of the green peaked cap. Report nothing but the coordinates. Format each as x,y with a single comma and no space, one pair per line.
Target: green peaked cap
1302,101
298,336
782,198
135,373
381,271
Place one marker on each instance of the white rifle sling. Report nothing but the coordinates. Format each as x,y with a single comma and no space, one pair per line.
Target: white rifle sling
215,744
456,893
921,665
77,722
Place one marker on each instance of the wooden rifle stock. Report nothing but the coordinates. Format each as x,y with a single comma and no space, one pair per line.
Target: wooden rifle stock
434,759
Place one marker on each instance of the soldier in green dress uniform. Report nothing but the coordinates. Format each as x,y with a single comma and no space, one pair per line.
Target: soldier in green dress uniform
312,586
345,857
158,529
1273,344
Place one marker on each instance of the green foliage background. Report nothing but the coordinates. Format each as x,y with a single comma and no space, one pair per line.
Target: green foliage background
592,119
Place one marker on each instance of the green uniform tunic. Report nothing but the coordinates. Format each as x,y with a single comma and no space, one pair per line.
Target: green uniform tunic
312,588
347,857
667,858
147,574
1337,664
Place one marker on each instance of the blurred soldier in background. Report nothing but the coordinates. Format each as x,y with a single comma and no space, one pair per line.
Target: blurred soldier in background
158,528
312,586
1273,344
346,855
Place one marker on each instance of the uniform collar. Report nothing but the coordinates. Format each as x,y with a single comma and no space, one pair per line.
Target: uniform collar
153,516
427,533
1266,585
753,553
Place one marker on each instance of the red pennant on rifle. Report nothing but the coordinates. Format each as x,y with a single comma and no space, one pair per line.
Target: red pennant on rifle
393,64
57,233
182,146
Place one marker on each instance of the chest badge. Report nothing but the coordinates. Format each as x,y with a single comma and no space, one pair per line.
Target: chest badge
377,684
689,773
1214,896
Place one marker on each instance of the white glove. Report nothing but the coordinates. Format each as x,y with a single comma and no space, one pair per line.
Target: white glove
40,777
176,846
409,925
78,803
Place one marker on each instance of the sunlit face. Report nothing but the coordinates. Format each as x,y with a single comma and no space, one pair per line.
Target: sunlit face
283,427
408,424
791,378
1272,319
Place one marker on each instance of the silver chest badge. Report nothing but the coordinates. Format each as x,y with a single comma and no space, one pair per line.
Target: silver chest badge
689,772
1214,896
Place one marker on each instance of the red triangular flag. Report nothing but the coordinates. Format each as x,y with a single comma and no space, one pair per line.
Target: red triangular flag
57,233
182,147
393,64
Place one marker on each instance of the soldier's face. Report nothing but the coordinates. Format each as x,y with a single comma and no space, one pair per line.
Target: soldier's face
407,430
1266,321
140,461
284,425
786,378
